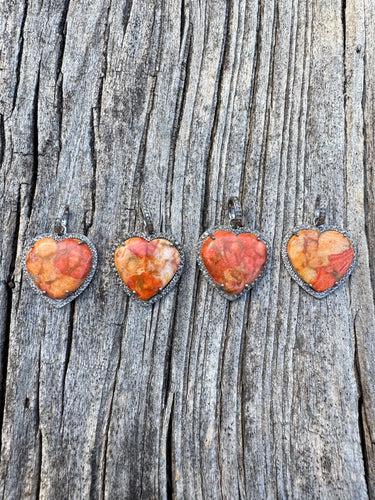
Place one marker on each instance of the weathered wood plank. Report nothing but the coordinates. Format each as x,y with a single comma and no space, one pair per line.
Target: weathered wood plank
176,105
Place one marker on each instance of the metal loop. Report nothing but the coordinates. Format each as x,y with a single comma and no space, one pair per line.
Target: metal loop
61,223
148,220
235,212
320,213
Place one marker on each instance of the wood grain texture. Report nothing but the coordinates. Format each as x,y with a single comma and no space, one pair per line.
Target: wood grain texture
178,105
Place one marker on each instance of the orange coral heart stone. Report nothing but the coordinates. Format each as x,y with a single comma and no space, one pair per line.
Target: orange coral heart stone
320,258
59,267
234,261
146,266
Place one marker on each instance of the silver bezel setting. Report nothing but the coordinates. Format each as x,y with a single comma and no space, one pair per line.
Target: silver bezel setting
164,291
293,273
73,295
208,276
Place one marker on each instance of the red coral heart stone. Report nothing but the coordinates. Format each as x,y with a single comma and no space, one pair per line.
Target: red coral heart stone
146,266
320,258
59,267
234,260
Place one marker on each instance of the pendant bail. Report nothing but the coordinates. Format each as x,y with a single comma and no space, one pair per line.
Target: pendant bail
61,223
320,213
148,220
235,212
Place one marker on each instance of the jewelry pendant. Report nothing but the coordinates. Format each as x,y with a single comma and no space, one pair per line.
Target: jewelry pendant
149,264
60,266
232,258
319,258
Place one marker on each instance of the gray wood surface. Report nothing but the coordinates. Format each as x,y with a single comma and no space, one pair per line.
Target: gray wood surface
179,104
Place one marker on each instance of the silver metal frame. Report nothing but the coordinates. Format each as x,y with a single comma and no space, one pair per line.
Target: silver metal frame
65,236
293,273
175,278
206,274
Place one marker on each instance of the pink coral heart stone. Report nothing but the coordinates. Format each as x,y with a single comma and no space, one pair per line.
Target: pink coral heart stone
146,266
234,261
59,267
320,258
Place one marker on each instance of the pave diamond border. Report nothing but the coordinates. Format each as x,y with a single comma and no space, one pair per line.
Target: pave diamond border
293,273
169,286
67,236
207,275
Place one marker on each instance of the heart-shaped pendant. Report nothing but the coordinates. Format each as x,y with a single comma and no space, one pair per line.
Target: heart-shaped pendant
232,258
319,258
60,265
149,265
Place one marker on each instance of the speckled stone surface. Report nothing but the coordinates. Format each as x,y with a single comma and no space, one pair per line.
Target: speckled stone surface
234,261
320,258
59,267
146,266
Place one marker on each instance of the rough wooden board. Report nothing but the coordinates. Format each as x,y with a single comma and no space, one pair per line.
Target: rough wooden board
178,105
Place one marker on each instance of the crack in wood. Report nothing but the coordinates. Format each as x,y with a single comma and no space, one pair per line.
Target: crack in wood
35,142
59,86
59,99
39,459
68,349
207,197
2,141
241,400
182,22
269,99
305,90
94,127
185,67
19,55
39,448
345,84
8,317
220,397
367,179
253,91
139,191
168,353
62,29
101,451
166,489
141,188
169,459
126,12
104,68
361,408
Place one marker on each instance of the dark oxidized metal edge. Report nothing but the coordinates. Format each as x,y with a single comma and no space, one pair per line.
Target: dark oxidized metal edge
62,302
207,275
176,276
293,273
